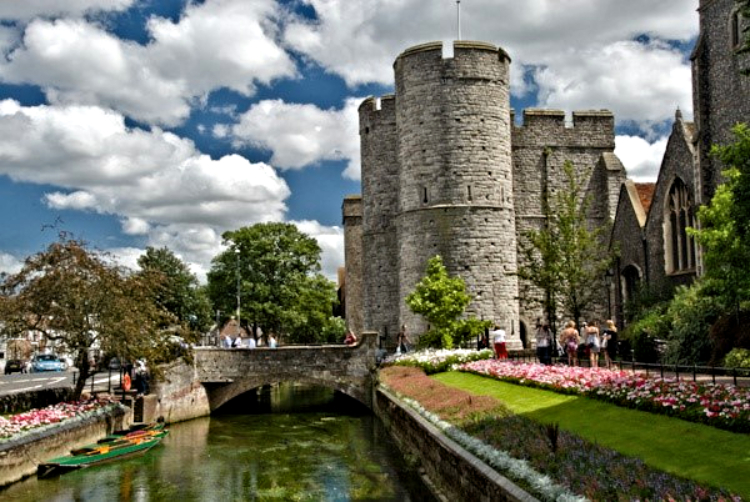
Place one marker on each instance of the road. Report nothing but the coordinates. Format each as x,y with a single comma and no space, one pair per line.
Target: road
22,382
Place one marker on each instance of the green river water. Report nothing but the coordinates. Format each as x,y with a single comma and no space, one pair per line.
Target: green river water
285,442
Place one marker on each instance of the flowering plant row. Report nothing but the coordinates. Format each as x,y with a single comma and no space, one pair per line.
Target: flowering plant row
719,405
438,361
36,419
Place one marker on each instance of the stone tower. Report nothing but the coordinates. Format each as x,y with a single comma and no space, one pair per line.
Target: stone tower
437,179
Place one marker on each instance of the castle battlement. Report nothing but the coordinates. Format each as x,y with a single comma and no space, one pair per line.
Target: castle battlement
588,129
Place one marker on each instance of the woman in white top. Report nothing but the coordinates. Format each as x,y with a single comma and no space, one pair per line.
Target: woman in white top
593,343
498,340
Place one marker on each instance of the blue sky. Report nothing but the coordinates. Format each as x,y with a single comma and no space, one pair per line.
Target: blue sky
165,122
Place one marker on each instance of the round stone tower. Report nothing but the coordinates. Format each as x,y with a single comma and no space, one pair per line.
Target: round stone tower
456,177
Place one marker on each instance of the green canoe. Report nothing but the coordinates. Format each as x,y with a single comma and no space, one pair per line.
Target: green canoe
111,448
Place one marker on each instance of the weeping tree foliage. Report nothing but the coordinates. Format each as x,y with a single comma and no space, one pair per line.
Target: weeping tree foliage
566,259
441,300
81,303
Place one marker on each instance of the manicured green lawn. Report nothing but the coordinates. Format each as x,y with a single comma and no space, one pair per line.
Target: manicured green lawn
704,454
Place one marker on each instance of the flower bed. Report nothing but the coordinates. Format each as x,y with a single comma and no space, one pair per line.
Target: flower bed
36,419
526,452
438,361
719,405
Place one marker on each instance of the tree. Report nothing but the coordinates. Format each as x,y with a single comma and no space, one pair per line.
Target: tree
81,303
178,291
441,299
281,289
566,259
725,228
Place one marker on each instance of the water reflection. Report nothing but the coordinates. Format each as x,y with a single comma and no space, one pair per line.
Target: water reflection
285,442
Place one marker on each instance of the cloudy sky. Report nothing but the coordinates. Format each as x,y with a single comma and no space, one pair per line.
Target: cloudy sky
166,122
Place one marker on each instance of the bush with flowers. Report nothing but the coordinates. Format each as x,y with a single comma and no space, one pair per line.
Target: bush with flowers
17,425
440,360
719,405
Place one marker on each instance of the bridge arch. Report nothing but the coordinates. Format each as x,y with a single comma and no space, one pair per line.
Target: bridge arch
228,373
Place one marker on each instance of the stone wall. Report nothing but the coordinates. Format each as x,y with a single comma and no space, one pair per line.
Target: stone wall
29,400
227,373
352,215
454,473
678,164
456,179
380,188
721,95
179,394
19,457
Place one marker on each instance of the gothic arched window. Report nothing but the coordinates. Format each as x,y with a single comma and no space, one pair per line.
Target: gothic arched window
679,247
631,280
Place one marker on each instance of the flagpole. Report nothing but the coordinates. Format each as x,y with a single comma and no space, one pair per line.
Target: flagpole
458,18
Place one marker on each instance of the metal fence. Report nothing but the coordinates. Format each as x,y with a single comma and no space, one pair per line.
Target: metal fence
109,381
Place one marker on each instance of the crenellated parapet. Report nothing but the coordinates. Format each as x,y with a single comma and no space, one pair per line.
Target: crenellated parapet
549,128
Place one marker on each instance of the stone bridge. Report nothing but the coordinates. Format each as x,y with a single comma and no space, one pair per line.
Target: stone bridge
218,374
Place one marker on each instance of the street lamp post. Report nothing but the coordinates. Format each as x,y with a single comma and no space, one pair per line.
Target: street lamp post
237,252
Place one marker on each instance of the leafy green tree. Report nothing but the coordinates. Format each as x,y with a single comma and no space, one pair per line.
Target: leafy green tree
178,291
566,259
441,300
281,289
82,304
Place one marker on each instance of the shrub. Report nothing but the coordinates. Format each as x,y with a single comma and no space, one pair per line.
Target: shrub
738,358
691,314
642,335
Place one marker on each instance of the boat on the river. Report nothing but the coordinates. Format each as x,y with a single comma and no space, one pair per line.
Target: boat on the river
137,440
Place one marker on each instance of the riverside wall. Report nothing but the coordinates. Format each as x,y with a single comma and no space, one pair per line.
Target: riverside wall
453,472
20,457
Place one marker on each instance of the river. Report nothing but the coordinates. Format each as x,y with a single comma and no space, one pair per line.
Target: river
283,443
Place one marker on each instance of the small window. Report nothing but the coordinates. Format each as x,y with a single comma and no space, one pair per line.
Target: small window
468,189
735,30
424,195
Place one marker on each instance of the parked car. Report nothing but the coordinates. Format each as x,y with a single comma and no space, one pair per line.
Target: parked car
14,365
46,362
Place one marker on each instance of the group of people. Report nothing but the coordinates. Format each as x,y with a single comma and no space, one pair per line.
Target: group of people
229,342
591,340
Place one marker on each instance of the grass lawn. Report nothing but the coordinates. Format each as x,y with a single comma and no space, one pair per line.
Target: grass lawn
704,454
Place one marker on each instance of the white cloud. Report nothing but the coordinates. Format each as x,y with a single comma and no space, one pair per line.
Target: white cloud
302,135
219,43
571,41
27,9
331,242
641,158
639,82
9,263
156,182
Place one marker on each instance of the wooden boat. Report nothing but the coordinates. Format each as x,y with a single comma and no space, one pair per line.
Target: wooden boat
114,447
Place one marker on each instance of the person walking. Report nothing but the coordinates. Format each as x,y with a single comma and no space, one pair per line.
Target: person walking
272,343
609,342
593,343
498,342
543,343
402,341
569,340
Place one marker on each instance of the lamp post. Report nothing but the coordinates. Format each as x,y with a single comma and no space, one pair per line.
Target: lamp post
237,252
608,281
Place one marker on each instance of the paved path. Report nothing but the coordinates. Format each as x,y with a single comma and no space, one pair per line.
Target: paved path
23,382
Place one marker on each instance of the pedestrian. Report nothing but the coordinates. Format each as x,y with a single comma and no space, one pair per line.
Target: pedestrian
593,343
251,343
350,338
484,342
498,342
569,341
271,341
226,341
402,341
141,377
543,343
609,342
237,342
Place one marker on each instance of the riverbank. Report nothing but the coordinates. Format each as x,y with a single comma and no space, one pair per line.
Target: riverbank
21,454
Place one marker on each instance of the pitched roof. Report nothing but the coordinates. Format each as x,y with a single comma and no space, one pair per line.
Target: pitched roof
645,194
